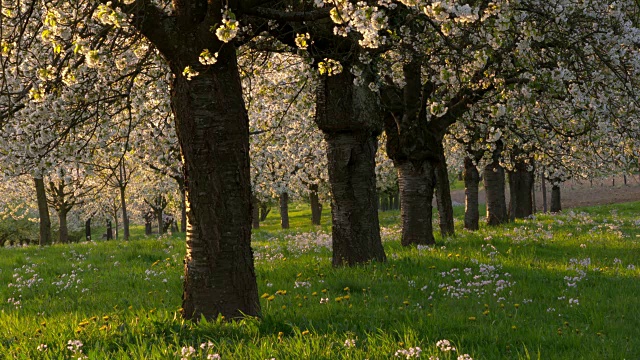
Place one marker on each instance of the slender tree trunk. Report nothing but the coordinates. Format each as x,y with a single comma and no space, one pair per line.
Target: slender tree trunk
63,234
148,227
520,184
494,190
544,192
264,211
43,212
255,213
284,210
115,219
471,180
213,131
316,209
109,230
159,221
416,195
555,199
350,118
87,229
443,198
125,215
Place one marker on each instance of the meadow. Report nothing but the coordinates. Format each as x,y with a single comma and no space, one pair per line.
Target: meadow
555,287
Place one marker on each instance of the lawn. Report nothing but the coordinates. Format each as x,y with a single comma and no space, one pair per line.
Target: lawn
555,287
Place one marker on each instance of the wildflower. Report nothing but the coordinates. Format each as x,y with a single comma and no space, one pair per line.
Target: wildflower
445,346
464,357
42,347
413,352
349,343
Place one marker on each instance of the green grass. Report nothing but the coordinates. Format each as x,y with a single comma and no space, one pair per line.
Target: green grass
120,299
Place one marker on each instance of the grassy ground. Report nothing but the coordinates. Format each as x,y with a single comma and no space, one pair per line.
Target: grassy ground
557,287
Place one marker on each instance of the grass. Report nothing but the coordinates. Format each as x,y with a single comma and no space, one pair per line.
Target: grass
555,287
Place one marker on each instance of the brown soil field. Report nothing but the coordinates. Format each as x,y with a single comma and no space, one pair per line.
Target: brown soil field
580,193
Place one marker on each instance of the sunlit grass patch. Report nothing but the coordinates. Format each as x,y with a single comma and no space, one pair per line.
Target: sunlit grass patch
556,286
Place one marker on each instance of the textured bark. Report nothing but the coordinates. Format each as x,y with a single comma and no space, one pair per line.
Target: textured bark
43,212
349,117
494,184
443,198
284,210
63,232
125,215
520,190
556,205
354,209
183,210
255,213
471,180
416,195
213,131
316,207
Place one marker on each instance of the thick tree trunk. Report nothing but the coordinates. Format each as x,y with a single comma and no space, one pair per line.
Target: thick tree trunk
316,207
520,185
213,131
284,210
494,190
63,233
350,118
255,213
354,209
471,180
417,186
443,198
109,230
556,206
43,212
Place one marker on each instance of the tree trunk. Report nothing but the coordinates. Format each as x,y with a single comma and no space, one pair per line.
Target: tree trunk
125,215
555,199
471,180
63,233
87,229
265,209
109,230
316,209
183,210
350,118
544,192
443,198
148,227
284,210
115,219
416,196
160,221
255,213
43,212
520,184
213,131
494,190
